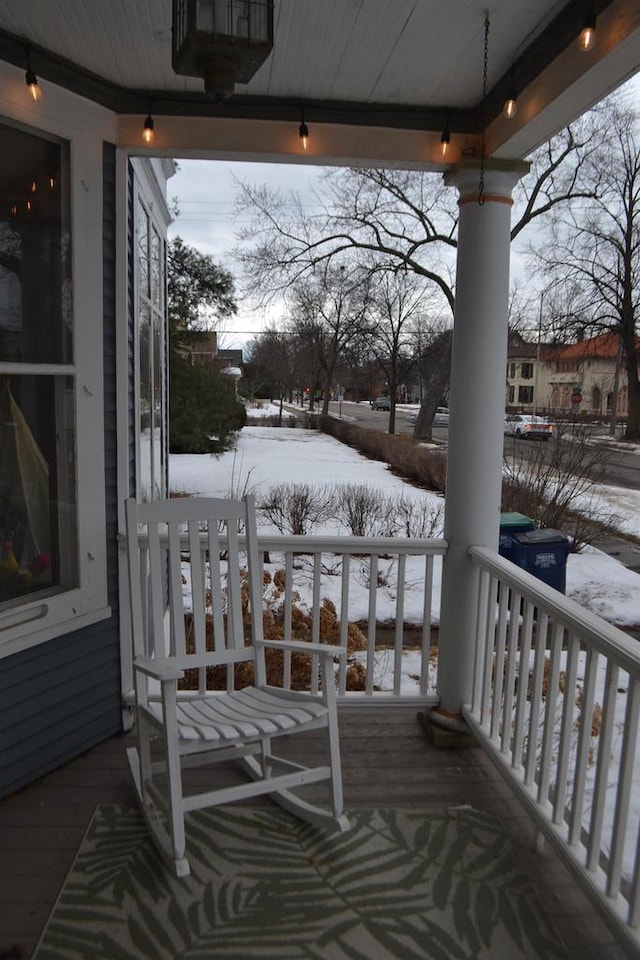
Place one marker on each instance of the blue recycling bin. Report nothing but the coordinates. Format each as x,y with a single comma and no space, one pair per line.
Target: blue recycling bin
543,553
512,524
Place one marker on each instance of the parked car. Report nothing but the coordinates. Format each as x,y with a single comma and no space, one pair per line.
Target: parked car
527,427
381,403
441,417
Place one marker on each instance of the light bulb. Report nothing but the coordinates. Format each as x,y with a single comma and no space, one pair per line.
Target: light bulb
587,38
510,108
304,135
148,133
32,83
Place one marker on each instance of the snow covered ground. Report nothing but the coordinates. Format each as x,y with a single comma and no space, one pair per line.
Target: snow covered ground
265,456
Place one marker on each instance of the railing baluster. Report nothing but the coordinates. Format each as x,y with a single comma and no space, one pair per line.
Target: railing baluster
535,711
371,631
399,628
568,708
625,778
288,613
523,684
498,680
510,673
481,641
607,729
344,621
425,639
489,646
584,747
315,620
549,722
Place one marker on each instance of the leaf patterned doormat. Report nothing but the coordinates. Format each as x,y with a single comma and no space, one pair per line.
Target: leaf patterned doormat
401,885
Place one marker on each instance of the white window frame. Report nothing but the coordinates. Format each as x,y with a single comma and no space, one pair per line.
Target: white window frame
142,197
84,126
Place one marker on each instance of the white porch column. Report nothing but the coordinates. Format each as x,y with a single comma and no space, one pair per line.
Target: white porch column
477,405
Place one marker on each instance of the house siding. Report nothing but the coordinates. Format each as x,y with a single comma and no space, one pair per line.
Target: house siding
62,697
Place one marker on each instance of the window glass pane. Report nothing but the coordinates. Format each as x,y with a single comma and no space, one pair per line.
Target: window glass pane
157,407
142,232
156,268
35,250
146,402
38,536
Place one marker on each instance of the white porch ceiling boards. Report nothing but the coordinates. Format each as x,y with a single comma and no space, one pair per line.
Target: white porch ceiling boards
398,67
420,52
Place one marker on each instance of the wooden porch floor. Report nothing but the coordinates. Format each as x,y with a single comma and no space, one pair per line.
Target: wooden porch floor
387,761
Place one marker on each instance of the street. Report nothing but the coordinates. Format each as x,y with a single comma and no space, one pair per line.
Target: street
619,467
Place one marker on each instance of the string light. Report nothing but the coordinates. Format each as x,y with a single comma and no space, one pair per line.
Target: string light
304,132
510,107
148,132
32,81
587,38
445,140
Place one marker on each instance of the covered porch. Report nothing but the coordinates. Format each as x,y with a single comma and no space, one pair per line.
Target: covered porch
62,751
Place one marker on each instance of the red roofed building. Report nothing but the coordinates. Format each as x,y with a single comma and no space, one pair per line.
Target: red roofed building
588,375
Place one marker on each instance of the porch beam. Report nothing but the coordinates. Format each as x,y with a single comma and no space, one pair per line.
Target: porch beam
477,403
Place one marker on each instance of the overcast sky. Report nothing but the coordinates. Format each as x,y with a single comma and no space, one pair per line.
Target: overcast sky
205,192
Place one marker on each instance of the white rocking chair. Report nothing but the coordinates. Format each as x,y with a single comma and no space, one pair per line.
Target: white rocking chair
197,543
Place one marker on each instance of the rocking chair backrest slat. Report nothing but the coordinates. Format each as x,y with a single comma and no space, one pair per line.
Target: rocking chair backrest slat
156,582
198,587
235,630
217,603
177,644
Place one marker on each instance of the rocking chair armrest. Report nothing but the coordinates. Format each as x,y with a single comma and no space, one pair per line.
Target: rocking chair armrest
173,668
160,668
301,646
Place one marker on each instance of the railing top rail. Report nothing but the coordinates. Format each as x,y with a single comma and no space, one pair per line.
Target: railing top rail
411,546
602,636
354,545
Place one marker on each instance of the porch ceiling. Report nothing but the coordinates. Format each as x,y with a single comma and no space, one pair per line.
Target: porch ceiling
406,65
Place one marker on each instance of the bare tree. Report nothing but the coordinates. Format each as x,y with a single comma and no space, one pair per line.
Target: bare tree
409,218
592,251
397,301
272,363
328,310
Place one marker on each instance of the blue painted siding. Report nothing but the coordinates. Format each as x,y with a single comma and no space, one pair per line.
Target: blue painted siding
62,697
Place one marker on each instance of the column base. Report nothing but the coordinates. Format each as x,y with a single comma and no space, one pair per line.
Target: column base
446,731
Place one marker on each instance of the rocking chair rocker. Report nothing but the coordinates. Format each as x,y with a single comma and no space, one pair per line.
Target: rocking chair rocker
198,543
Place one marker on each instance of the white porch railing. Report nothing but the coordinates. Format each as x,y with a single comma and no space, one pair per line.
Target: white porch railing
374,581
556,703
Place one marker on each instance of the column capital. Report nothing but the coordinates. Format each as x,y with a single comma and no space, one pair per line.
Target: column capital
500,177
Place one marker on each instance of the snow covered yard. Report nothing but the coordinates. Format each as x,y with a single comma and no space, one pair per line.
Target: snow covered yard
265,456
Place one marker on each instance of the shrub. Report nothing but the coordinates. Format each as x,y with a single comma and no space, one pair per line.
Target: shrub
359,508
295,507
424,466
556,483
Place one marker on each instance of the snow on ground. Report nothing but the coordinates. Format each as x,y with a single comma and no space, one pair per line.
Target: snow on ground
265,456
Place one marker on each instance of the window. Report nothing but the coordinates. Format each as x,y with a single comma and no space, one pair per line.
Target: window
512,370
151,309
511,394
525,394
526,371
38,535
566,366
52,464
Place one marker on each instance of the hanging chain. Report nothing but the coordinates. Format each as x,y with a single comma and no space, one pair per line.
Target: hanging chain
483,139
